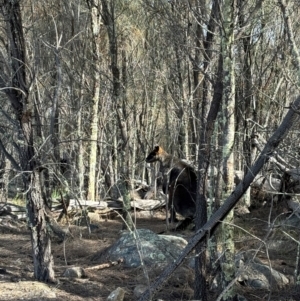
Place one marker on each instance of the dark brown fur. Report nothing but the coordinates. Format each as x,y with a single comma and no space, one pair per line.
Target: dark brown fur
181,179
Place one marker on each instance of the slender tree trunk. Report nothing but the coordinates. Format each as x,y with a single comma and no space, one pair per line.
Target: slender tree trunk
29,165
209,111
80,164
118,97
40,238
225,237
54,124
95,26
201,208
247,96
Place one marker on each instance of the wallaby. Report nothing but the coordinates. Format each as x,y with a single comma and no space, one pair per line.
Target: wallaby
181,180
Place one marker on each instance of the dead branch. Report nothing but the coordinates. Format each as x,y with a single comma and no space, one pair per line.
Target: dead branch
291,117
276,158
104,265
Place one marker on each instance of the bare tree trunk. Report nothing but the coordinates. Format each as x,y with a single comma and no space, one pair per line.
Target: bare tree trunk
225,244
54,126
247,96
95,26
118,97
40,238
209,113
17,92
80,164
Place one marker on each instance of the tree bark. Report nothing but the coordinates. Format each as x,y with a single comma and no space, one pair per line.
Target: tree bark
225,241
210,109
95,27
29,164
40,238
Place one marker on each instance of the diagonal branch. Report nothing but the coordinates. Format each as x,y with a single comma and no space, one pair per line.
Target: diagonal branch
289,120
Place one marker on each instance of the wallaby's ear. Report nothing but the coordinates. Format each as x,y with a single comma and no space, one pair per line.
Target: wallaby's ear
156,148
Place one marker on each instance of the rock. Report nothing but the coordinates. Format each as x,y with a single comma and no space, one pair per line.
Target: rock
27,290
94,217
294,204
116,295
139,290
285,245
293,220
143,247
258,275
74,272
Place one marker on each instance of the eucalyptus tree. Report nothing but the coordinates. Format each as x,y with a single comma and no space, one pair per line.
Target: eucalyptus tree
227,125
96,36
16,82
35,80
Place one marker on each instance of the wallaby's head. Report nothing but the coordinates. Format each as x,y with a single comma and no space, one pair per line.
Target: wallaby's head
156,154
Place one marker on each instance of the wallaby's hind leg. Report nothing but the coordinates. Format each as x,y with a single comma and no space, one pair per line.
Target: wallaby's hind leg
171,205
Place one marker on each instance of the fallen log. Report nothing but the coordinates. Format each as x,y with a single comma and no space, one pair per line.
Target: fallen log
104,265
13,210
82,204
147,204
75,204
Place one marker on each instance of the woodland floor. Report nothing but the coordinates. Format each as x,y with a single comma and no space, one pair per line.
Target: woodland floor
16,267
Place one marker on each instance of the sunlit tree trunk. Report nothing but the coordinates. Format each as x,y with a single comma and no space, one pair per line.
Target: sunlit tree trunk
247,97
80,155
95,26
225,235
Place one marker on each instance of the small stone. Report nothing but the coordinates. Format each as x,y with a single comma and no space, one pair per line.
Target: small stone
74,272
139,290
116,295
94,217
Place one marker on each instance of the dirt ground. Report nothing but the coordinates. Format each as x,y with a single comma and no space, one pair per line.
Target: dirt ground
16,266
